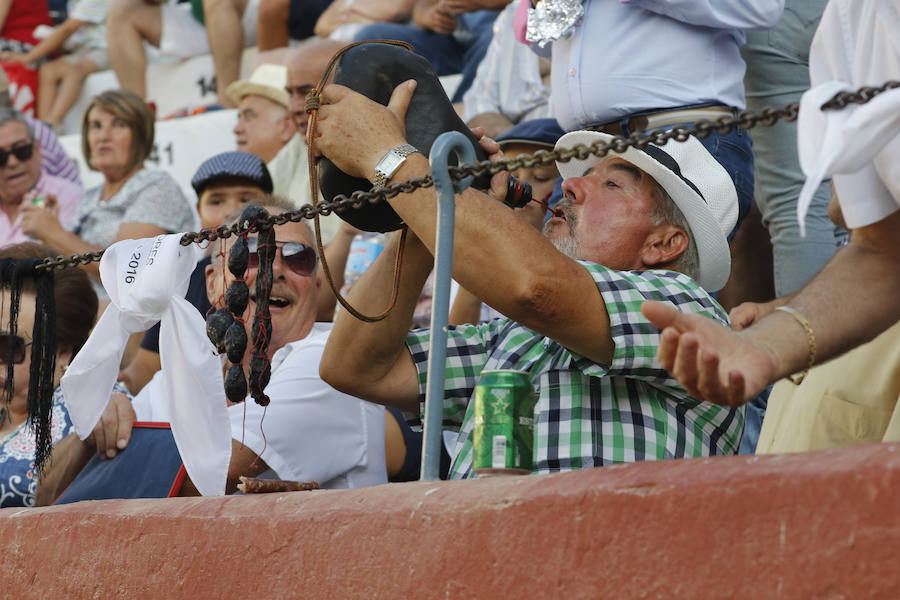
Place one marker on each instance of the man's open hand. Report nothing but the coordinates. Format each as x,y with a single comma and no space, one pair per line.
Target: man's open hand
41,222
712,362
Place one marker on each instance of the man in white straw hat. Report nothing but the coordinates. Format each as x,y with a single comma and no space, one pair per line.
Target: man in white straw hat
635,226
854,297
266,127
264,124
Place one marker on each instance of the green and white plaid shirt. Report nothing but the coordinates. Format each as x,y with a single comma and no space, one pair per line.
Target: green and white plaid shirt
586,414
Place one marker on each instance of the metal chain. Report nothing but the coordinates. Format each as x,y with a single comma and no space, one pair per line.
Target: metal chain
701,129
860,96
64,262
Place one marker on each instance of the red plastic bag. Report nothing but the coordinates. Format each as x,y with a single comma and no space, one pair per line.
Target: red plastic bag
23,87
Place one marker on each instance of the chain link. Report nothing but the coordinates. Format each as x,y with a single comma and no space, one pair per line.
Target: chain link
64,262
701,129
860,96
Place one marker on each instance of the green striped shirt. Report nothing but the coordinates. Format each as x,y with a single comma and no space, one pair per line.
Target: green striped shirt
587,414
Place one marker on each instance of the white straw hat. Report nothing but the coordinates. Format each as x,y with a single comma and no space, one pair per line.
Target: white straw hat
696,182
267,80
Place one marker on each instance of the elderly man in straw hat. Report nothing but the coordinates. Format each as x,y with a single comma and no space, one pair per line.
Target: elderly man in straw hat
634,226
264,124
267,127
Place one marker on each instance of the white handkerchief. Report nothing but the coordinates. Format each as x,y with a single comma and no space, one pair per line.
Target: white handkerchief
146,281
845,143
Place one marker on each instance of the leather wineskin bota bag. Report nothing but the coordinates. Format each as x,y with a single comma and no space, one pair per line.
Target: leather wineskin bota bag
374,70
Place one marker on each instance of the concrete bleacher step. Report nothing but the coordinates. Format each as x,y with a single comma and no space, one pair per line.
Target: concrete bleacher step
181,144
170,85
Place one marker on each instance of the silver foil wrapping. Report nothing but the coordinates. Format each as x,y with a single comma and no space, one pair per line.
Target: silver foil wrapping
551,20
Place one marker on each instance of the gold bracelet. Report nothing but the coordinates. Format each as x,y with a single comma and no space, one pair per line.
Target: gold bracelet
810,339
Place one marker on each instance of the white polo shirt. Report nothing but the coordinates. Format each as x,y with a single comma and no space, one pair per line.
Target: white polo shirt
309,430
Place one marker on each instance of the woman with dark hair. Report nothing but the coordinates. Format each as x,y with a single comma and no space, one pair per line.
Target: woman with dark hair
132,203
76,310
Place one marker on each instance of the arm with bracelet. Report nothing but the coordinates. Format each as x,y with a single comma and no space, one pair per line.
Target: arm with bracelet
728,367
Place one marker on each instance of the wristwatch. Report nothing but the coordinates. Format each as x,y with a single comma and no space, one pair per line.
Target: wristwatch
390,162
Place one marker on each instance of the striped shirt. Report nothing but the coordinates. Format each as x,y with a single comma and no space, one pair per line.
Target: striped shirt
587,414
508,80
55,161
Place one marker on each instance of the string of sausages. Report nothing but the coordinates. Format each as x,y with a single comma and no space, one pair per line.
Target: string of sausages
226,327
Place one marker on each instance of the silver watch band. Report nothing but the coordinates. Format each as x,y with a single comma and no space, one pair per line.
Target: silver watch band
390,162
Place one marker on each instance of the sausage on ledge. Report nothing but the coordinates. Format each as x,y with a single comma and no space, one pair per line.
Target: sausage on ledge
253,485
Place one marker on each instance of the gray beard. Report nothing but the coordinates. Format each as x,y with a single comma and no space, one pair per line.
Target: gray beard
568,245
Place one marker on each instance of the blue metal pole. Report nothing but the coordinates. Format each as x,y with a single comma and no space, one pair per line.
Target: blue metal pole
452,141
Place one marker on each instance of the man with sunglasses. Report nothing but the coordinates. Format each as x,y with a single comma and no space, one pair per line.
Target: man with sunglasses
24,187
309,430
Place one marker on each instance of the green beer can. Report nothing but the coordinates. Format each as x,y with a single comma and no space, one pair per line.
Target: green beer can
503,436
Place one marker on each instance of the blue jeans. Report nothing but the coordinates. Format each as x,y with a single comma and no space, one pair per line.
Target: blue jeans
734,151
302,17
777,74
753,419
446,53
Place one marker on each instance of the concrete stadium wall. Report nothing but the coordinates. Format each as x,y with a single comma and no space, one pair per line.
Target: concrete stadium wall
819,525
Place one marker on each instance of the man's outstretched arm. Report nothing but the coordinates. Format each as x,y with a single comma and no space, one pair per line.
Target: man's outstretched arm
852,300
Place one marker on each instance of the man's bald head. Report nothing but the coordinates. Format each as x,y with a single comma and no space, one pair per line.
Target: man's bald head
305,68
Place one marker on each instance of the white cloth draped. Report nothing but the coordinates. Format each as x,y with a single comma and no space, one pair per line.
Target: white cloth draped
857,44
146,281
844,143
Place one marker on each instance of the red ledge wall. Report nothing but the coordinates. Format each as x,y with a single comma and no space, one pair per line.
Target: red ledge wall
819,525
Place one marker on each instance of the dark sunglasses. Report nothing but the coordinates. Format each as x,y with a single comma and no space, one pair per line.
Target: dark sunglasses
299,258
12,348
22,153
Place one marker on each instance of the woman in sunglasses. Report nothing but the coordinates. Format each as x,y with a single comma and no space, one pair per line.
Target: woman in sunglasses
76,309
25,185
116,137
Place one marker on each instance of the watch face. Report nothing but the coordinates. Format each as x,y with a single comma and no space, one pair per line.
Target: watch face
389,163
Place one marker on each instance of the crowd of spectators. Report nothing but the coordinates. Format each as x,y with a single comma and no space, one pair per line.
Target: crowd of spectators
556,288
